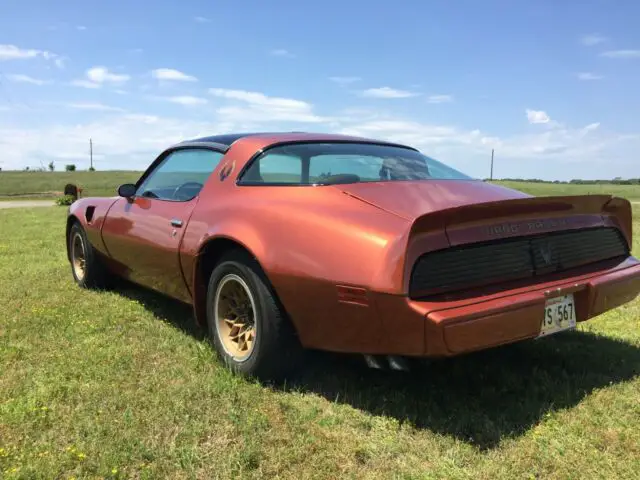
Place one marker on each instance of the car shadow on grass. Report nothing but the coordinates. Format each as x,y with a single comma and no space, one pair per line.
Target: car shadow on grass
170,311
484,397
481,398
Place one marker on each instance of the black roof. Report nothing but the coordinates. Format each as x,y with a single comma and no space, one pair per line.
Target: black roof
224,141
228,138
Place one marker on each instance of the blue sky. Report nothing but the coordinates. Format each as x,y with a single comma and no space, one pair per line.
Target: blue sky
552,86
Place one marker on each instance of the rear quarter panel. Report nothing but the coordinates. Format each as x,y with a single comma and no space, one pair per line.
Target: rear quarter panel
309,240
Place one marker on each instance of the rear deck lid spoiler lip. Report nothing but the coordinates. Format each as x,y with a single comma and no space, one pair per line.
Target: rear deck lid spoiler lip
504,209
517,217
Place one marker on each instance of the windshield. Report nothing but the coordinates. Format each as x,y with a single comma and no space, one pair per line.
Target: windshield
330,163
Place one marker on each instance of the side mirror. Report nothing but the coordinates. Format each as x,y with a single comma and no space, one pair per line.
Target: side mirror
127,190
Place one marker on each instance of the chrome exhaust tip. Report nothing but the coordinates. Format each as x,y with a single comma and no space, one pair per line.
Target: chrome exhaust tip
398,363
373,362
380,362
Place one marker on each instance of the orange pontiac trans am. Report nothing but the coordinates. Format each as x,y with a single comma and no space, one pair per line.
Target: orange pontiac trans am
287,241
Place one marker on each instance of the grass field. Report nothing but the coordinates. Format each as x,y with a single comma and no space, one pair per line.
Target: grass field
121,384
41,184
631,192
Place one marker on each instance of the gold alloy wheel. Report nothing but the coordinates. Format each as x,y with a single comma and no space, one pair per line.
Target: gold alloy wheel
78,256
235,317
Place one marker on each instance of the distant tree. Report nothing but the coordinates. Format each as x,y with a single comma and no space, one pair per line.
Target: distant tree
92,169
52,166
70,167
26,169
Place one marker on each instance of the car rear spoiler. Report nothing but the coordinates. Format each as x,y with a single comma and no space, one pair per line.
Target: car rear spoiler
524,216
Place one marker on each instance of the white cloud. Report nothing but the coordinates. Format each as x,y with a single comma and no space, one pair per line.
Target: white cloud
586,76
591,127
95,106
281,52
122,141
621,54
252,117
19,78
258,98
140,117
103,75
440,98
261,107
81,28
592,39
132,140
345,80
537,116
202,19
96,77
388,92
84,83
469,150
171,74
403,130
187,100
11,52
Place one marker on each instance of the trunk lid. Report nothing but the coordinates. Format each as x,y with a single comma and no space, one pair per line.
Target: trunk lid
411,200
476,211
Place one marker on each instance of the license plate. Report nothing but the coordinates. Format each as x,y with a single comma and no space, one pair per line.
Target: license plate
559,315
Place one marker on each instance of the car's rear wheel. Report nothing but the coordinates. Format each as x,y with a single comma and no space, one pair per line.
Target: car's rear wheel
247,325
86,266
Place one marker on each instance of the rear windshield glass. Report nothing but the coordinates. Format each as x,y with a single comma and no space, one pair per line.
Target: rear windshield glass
330,163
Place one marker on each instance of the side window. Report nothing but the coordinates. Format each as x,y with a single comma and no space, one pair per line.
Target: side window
275,168
181,175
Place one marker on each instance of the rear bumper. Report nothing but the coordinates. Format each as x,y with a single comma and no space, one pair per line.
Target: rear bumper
476,323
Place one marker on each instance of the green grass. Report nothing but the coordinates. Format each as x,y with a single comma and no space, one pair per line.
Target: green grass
631,192
122,384
41,184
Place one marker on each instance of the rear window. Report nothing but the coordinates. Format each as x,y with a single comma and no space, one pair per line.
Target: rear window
330,163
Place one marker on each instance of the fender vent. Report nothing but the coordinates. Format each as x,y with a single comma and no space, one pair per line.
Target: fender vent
88,214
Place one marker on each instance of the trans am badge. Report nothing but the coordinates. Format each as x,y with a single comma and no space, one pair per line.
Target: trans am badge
226,171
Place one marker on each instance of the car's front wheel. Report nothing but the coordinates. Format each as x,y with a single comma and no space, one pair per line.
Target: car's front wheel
247,326
86,265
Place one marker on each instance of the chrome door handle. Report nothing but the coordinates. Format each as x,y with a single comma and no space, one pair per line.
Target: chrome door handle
175,222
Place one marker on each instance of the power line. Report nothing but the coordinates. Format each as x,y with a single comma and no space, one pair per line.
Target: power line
491,177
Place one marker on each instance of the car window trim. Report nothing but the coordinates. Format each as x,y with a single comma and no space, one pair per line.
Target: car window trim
160,158
256,156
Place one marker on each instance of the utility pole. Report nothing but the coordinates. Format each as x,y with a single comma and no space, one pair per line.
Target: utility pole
91,153
491,177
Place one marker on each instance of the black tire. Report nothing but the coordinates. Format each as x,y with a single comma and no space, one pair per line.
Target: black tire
95,275
276,350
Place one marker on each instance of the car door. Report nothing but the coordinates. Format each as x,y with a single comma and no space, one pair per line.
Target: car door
143,233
